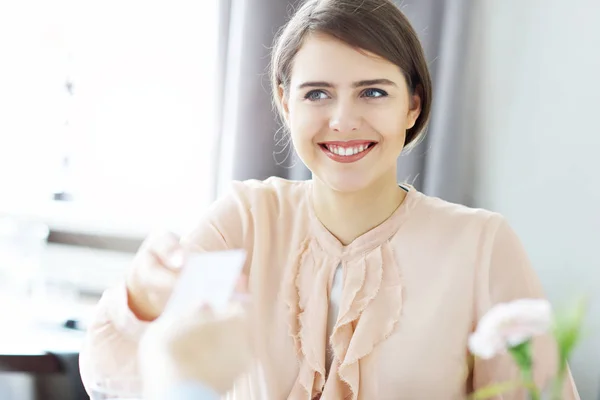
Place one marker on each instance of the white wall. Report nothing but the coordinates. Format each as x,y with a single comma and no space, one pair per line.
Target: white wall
539,152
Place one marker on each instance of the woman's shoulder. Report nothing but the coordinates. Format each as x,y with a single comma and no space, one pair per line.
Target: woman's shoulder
270,189
460,227
273,195
231,221
455,217
272,186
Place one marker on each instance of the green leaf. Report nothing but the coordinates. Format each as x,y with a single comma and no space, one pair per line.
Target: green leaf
494,390
499,388
521,353
567,331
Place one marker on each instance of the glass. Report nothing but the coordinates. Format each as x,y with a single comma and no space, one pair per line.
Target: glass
26,282
126,388
54,301
22,245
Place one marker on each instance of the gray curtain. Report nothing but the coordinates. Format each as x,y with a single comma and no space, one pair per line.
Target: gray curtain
251,144
443,164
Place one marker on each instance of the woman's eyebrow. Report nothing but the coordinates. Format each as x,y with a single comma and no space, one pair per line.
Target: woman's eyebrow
368,82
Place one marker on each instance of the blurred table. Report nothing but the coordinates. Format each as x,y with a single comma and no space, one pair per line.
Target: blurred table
38,355
39,348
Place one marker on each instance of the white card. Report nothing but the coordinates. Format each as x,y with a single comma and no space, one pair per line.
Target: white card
207,278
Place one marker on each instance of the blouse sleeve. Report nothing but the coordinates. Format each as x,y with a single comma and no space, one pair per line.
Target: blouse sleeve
110,348
505,275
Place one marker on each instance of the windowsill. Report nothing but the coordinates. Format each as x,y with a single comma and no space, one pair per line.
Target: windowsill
121,227
89,270
74,218
73,225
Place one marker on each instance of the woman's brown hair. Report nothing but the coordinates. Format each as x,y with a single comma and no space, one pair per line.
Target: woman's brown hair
376,26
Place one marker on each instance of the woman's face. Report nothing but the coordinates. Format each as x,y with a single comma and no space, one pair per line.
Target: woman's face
348,112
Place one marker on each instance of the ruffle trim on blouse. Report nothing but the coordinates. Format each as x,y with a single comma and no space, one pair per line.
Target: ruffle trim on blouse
370,308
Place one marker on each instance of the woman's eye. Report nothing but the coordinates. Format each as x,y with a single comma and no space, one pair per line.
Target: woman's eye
374,93
315,95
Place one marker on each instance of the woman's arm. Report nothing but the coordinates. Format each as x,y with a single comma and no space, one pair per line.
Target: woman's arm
506,274
110,348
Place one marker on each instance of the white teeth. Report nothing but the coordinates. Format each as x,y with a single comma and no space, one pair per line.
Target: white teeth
346,151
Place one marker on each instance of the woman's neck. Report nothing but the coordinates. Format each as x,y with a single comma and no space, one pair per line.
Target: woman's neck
350,215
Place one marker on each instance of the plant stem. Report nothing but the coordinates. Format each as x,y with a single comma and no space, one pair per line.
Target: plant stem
534,393
557,385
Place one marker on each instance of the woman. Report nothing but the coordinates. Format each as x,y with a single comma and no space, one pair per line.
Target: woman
362,288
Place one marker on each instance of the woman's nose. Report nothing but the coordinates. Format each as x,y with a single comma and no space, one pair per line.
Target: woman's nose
345,118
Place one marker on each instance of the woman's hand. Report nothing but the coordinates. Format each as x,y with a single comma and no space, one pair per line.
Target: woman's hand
202,347
154,272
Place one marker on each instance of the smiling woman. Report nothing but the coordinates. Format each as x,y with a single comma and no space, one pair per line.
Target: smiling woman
362,288
350,95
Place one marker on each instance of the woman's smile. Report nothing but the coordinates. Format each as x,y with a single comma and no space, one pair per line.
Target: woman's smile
347,151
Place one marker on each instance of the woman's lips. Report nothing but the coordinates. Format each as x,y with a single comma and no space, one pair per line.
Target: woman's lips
347,152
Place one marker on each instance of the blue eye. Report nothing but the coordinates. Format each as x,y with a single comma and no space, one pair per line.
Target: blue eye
374,93
315,95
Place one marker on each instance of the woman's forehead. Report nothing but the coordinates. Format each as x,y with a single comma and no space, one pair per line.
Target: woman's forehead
324,58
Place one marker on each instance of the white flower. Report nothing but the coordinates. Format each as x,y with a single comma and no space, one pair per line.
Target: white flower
509,324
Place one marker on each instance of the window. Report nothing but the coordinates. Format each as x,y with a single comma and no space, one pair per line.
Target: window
109,102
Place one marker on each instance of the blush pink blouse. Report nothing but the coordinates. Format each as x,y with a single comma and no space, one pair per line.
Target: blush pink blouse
413,289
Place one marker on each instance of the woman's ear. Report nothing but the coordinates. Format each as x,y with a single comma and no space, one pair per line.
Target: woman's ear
415,107
283,102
